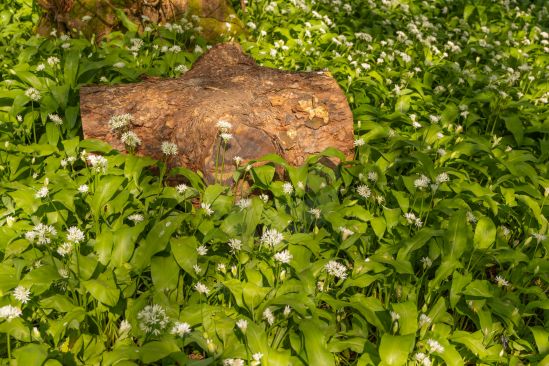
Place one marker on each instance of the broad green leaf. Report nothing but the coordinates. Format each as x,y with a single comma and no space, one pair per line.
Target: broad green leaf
394,350
485,233
315,343
184,252
31,354
157,350
105,190
164,271
104,290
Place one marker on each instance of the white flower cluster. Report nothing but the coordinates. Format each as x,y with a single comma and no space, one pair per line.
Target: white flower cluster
41,234
412,219
181,329
271,237
283,257
336,269
121,122
168,148
9,312
98,163
21,294
153,319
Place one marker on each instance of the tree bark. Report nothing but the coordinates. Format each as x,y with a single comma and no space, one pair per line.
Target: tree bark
293,114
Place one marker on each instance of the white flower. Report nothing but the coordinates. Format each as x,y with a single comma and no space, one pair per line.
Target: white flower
65,249
221,267
442,177
207,208
136,217
416,124
242,324
395,316
287,310
223,126
52,60
9,312
423,320
86,18
283,256
42,192
315,212
168,148
244,203
75,235
427,262
269,316
197,269
120,122
130,139
237,160
202,250
423,359
257,358
41,233
201,288
435,346
235,245
226,137
336,269
501,282
422,182
180,329
55,119
471,217
359,142
33,94
98,163
434,119
287,188
21,294
363,191
372,176
271,237
63,272
124,328
181,68
119,65
264,197
153,319
40,67
539,237
10,220
345,233
83,188
181,188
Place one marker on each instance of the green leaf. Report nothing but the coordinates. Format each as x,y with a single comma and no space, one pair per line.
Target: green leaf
156,241
124,240
126,22
31,354
157,350
164,272
106,188
485,233
315,343
394,350
378,224
457,236
103,290
52,133
541,336
184,252
72,60
263,175
514,125
403,104
407,323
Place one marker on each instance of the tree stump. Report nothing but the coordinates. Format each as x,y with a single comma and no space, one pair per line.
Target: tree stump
293,114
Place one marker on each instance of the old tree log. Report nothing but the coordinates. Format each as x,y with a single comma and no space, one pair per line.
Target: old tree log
293,114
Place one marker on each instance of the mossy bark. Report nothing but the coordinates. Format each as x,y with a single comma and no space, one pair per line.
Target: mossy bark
100,17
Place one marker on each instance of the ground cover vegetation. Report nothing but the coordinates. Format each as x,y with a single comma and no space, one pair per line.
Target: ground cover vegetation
429,248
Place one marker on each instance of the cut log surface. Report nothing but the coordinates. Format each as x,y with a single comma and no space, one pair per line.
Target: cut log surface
293,114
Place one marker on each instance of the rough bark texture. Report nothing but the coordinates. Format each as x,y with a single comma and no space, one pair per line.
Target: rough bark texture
65,16
272,111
